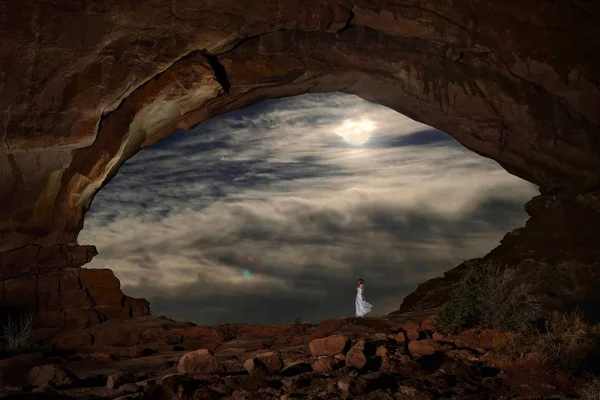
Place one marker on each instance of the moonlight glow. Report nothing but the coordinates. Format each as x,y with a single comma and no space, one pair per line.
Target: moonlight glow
356,132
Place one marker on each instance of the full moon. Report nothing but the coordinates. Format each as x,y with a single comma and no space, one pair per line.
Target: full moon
356,132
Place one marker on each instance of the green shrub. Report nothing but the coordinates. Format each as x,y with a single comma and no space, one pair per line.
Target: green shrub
511,344
590,390
505,305
461,310
488,297
570,343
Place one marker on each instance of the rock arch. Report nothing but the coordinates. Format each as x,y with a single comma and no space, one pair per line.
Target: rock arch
88,84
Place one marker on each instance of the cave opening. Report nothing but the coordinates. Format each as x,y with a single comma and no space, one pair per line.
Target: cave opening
269,213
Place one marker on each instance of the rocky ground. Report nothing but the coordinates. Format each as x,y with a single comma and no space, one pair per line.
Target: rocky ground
370,358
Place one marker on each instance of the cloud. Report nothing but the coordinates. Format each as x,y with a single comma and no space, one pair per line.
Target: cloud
266,214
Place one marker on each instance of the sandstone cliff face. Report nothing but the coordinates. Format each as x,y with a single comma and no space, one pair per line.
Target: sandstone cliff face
85,85
48,283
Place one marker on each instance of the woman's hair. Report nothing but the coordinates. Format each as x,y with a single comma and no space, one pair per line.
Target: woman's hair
361,280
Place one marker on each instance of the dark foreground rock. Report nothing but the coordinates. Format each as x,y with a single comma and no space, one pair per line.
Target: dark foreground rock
368,358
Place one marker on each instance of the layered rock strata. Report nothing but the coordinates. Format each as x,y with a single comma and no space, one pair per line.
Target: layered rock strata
49,284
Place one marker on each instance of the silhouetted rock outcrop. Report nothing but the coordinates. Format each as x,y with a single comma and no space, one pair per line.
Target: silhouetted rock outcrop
557,252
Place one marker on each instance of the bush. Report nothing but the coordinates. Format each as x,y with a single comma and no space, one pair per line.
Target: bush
486,296
461,309
16,333
505,306
570,343
590,390
511,344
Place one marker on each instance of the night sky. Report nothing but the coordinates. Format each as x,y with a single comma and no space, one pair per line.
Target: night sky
271,213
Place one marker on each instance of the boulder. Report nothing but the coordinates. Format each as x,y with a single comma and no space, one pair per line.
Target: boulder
325,364
263,364
412,330
356,357
329,346
131,388
425,347
344,384
296,368
400,337
198,363
51,374
114,381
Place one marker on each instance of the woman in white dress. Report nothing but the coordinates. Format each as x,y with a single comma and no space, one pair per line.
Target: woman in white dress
362,306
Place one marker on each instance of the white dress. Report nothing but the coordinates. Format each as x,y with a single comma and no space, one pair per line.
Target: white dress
362,307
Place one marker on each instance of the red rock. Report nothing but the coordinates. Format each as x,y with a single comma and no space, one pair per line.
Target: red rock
72,340
138,307
412,330
201,334
56,294
247,345
293,368
422,348
255,368
74,299
356,356
49,284
107,297
428,324
411,393
462,355
81,318
344,384
98,356
69,279
198,363
329,346
131,388
381,351
19,262
20,293
53,374
401,338
383,336
245,382
130,352
124,336
53,258
51,319
99,279
325,364
18,359
267,363
116,380
110,312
